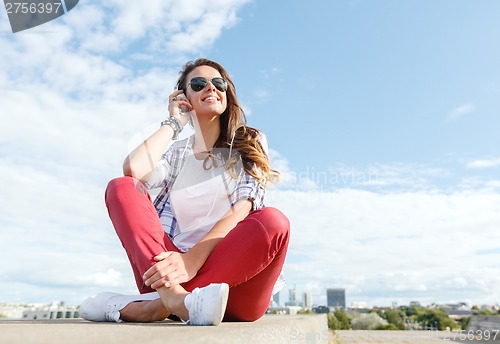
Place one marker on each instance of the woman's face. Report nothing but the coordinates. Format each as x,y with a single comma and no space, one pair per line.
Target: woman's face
208,101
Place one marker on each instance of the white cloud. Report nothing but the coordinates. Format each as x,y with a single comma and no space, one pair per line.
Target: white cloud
110,278
484,163
404,176
460,111
288,178
392,247
197,35
493,184
408,175
74,92
390,232
171,27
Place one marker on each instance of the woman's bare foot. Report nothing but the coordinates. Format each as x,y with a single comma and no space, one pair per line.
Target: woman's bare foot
144,311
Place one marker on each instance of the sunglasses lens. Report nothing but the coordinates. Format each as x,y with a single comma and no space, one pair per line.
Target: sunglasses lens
220,84
199,83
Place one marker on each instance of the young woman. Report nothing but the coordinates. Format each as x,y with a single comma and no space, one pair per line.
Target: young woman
206,249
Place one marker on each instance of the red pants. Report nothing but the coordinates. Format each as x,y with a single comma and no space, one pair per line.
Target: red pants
249,258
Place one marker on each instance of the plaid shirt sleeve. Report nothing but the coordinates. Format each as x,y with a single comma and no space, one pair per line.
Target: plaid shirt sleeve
168,167
164,176
160,174
248,187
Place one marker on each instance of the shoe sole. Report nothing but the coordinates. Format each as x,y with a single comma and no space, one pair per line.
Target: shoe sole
223,295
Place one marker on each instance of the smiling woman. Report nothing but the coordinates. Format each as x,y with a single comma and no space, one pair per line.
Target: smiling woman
207,248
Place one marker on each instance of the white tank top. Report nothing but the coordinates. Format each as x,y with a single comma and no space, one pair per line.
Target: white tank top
199,199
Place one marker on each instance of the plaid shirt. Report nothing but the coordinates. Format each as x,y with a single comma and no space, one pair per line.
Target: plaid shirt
168,169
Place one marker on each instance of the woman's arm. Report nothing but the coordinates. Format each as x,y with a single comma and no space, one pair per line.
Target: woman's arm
175,268
142,161
199,253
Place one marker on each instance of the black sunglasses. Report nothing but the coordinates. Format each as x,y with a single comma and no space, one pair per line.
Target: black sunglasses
199,83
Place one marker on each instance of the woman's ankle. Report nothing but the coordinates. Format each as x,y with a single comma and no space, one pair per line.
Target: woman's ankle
144,311
173,300
179,308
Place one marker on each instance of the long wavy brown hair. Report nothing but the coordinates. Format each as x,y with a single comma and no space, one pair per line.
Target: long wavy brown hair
234,131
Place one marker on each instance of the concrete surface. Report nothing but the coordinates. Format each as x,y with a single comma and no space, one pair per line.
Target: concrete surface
413,337
269,329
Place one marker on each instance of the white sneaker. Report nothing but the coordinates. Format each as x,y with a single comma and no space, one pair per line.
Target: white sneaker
207,305
107,306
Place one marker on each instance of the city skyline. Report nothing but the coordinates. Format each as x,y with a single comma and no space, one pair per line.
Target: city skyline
351,302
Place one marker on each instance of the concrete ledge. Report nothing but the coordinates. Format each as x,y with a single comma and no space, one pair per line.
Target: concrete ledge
481,323
269,329
414,337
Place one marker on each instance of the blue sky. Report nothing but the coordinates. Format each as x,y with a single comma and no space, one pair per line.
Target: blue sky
381,115
386,78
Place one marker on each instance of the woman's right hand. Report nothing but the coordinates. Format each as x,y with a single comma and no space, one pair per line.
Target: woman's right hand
170,269
176,102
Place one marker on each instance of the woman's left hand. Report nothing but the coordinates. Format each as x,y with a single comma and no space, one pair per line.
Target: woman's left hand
172,268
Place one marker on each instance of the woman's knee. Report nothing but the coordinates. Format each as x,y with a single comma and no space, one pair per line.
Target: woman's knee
119,188
274,220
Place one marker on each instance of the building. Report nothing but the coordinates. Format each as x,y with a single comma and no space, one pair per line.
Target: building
291,295
335,297
292,300
55,310
359,305
308,302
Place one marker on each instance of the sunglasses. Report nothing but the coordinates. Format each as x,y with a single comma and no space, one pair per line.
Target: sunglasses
199,83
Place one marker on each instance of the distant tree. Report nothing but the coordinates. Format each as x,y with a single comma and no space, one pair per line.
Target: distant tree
394,317
433,317
341,320
413,311
483,312
436,317
388,327
464,322
369,321
333,322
